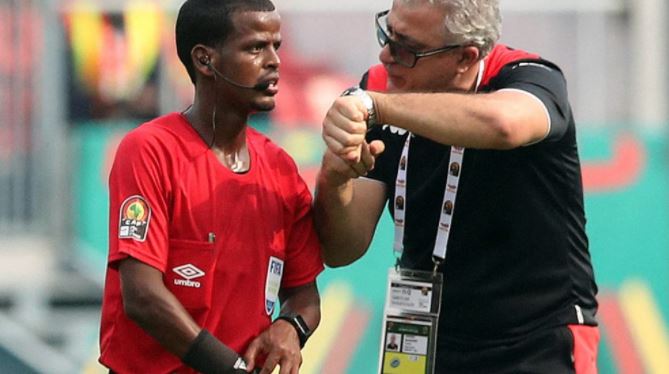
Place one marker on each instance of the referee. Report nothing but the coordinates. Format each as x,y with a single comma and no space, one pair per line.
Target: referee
210,224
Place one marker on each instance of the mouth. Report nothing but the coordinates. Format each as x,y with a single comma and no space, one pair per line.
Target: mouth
272,85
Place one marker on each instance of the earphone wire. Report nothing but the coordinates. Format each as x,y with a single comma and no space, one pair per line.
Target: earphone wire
235,163
213,115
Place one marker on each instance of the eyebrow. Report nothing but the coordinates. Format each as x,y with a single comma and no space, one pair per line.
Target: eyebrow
261,39
404,39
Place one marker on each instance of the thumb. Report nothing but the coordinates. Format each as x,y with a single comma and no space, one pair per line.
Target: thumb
251,354
377,147
353,156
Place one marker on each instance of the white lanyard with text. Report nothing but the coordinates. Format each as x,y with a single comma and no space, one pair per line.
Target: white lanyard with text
413,297
447,205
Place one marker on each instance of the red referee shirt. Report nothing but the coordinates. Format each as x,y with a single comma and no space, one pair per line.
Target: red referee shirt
223,241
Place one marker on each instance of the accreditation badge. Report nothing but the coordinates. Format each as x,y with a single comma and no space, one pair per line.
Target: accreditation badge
410,321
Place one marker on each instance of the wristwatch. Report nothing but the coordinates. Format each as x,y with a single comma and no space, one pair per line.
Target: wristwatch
301,327
367,101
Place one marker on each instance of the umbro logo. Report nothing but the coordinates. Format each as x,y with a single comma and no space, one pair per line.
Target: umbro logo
188,272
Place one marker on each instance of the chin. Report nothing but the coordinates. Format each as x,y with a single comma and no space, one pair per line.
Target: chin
263,106
396,85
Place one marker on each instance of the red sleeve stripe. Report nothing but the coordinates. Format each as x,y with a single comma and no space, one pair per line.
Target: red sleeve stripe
501,56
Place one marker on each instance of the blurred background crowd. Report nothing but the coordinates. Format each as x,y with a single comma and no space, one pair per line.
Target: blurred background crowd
75,75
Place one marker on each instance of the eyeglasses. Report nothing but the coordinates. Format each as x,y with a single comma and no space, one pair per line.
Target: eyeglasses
402,54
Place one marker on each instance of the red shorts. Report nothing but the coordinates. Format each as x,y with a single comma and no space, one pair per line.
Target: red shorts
567,349
586,339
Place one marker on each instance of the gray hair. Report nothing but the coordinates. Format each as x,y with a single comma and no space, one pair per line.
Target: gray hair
473,22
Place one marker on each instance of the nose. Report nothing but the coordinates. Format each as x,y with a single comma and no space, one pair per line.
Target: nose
385,56
273,60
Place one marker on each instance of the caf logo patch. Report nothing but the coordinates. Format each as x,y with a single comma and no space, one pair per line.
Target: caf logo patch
135,218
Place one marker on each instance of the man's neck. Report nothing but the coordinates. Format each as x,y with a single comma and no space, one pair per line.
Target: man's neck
228,124
224,131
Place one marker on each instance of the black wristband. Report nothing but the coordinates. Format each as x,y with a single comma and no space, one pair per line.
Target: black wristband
301,327
209,355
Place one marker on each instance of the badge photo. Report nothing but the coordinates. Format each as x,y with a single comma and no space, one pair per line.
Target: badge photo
408,344
135,216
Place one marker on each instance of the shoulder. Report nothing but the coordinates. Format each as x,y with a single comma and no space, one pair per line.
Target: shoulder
503,59
157,131
164,135
269,151
279,170
147,152
375,79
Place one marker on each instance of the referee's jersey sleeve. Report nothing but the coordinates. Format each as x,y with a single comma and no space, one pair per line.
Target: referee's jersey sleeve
139,170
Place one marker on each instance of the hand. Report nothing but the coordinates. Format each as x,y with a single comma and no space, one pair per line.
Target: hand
344,128
280,344
339,171
369,153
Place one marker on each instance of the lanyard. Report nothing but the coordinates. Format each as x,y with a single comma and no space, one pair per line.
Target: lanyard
447,205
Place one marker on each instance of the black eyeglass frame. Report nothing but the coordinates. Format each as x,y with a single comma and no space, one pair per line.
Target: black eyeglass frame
383,39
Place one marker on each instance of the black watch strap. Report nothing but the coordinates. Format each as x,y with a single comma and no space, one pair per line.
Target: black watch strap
301,327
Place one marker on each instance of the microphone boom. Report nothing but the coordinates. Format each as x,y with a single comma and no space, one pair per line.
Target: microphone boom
258,87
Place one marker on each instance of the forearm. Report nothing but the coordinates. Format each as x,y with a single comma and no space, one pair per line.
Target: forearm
304,301
169,323
343,234
157,311
501,120
154,308
163,317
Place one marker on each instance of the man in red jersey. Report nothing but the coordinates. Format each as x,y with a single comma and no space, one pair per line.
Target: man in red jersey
210,223
479,142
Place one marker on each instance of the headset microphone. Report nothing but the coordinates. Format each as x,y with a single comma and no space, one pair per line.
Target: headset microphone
259,87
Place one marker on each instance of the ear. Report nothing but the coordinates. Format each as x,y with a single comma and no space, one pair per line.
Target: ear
202,56
468,57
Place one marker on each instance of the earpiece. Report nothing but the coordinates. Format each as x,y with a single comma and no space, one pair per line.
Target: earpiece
204,60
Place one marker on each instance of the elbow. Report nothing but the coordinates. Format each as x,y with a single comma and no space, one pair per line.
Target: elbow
134,311
333,254
336,264
335,261
140,308
335,257
505,135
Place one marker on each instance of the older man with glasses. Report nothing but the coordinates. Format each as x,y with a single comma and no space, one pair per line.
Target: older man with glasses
518,284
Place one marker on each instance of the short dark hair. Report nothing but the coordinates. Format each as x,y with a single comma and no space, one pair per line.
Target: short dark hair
209,22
